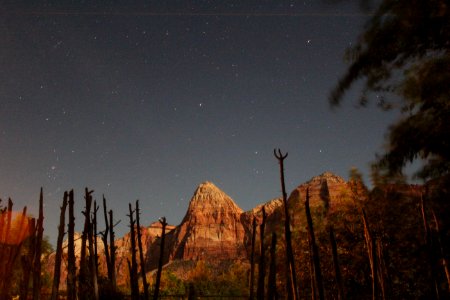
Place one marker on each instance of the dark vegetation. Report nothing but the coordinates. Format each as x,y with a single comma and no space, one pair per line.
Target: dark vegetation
388,243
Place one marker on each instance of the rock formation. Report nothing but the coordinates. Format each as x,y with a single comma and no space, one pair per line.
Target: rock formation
211,229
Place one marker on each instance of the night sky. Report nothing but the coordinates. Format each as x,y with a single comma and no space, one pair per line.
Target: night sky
148,101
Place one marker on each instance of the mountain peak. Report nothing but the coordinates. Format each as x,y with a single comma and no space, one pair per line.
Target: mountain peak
208,195
328,176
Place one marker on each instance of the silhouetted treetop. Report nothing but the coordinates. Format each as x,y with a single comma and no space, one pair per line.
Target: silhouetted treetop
405,50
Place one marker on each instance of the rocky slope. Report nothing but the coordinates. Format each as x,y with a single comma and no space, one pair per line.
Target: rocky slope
216,228
211,228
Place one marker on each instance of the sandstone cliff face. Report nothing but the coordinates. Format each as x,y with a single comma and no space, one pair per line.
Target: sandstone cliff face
215,228
211,229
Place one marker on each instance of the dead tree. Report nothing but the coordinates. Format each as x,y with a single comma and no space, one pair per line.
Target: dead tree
262,259
71,267
445,263
11,248
430,251
315,251
104,235
372,254
337,268
84,287
252,260
161,257
38,250
112,248
291,276
95,234
272,284
5,250
58,256
93,267
133,268
27,261
141,253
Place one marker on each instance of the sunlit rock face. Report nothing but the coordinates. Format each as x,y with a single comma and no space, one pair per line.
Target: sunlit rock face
211,228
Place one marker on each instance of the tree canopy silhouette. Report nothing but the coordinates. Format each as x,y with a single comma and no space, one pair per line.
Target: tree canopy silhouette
405,51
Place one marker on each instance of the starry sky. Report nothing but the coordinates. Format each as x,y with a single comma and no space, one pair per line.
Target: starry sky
146,101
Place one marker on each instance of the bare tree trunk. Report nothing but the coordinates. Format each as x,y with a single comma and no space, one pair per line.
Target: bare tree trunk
312,275
315,250
372,254
337,268
58,256
252,260
93,278
161,258
262,259
5,251
38,251
84,288
291,276
95,234
272,284
141,253
445,263
27,261
430,251
133,269
105,241
112,251
71,267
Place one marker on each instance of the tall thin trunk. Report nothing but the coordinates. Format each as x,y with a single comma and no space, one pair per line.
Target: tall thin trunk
161,258
337,268
252,260
95,234
291,276
27,261
5,252
445,263
372,254
112,248
105,241
93,278
430,250
71,267
38,251
262,259
141,253
84,288
272,284
315,251
133,270
58,256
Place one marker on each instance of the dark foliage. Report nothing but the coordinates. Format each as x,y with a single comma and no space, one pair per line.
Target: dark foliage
405,50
